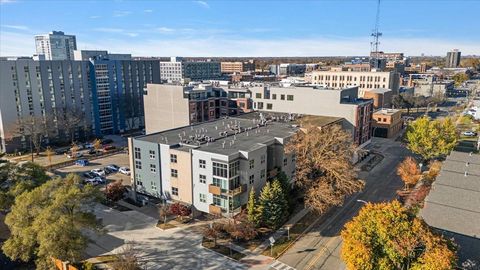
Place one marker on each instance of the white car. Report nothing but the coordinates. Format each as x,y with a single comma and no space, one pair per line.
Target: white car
124,170
99,172
77,155
94,181
469,133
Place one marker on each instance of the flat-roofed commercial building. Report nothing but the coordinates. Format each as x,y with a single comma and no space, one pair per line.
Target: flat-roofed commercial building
177,69
318,101
237,67
213,165
387,123
170,106
382,98
364,80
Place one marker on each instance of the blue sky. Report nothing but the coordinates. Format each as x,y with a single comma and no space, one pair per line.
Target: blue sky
244,28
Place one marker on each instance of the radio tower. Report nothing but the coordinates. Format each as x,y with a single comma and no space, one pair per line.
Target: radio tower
375,34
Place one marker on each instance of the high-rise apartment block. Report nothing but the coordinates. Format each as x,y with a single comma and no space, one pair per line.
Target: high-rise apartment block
177,70
339,78
105,90
170,106
213,165
45,90
56,45
453,59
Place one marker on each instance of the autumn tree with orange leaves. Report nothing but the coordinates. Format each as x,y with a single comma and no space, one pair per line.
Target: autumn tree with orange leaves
390,236
409,172
324,170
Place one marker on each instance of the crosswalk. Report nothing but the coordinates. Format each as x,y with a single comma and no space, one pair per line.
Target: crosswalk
278,265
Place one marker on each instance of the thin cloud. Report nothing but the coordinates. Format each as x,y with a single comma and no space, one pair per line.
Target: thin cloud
148,10
18,27
203,4
165,30
131,34
109,30
95,17
119,13
7,1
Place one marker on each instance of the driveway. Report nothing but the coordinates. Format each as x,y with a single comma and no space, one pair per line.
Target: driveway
176,248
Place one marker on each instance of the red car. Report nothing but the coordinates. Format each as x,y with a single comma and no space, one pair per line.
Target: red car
108,147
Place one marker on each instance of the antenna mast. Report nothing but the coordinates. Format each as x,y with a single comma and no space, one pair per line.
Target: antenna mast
376,34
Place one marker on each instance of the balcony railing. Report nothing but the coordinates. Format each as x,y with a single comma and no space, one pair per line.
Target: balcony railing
214,189
238,190
214,209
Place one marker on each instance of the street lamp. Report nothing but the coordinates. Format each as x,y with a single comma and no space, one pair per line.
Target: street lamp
288,232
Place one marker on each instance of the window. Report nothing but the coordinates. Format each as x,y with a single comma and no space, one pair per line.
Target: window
220,169
285,162
251,179
137,153
233,169
152,154
153,168
262,159
203,198
260,105
262,174
252,163
269,106
138,164
173,158
203,179
173,172
282,97
138,177
203,163
258,95
154,187
290,97
175,191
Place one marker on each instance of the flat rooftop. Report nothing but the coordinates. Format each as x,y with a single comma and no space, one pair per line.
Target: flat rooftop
386,111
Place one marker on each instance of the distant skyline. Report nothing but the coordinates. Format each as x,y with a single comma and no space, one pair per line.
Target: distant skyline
244,28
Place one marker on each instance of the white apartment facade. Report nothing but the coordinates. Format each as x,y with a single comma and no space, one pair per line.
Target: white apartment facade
339,78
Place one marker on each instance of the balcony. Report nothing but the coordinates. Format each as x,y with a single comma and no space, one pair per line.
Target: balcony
238,190
214,189
214,209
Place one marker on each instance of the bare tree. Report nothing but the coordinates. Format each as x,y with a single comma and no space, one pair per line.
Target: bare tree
36,129
324,170
69,120
127,259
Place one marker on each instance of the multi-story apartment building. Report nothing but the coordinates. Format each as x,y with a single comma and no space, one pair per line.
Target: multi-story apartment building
237,67
288,69
453,59
318,101
44,90
212,165
177,70
170,106
339,78
56,45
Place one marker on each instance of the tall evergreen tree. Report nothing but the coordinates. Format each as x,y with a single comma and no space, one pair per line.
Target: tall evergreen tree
272,205
251,207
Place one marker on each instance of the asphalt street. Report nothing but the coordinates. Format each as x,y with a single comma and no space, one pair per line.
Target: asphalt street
320,247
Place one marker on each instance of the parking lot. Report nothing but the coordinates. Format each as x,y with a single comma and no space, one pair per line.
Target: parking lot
120,160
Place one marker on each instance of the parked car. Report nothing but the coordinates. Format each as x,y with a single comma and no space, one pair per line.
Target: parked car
107,170
469,133
94,181
124,170
113,167
89,175
108,147
89,145
81,162
60,151
99,172
76,155
92,152
107,141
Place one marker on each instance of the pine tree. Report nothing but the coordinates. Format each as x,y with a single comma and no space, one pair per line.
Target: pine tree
272,206
251,210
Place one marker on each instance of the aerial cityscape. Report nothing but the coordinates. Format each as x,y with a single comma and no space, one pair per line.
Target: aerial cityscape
276,135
